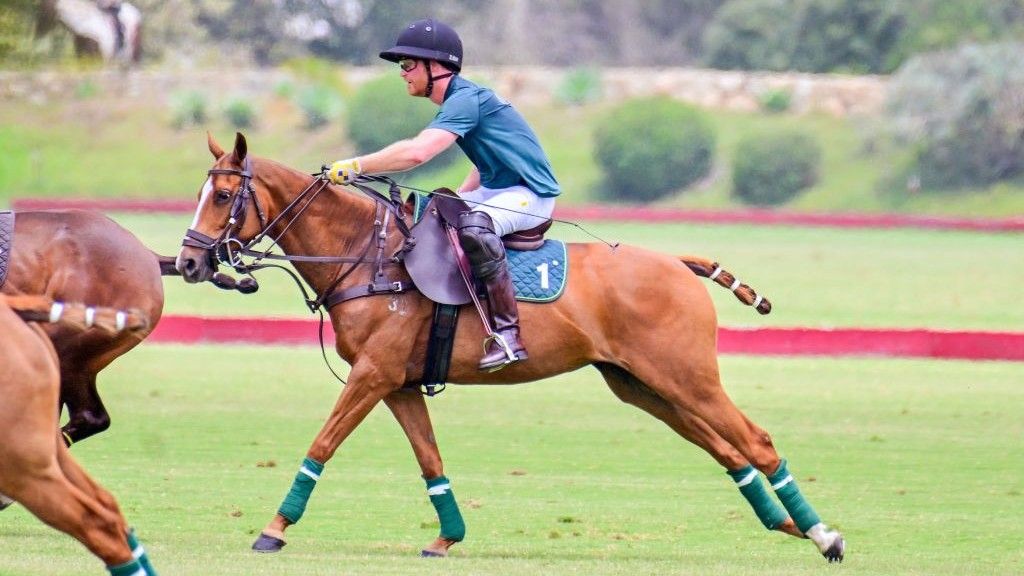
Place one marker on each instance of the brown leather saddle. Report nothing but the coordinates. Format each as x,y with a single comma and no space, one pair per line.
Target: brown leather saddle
433,262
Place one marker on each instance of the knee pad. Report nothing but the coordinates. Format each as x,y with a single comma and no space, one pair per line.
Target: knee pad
483,247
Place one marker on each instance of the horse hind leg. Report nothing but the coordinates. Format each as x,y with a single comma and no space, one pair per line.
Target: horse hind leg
695,388
55,500
87,415
632,391
83,356
78,477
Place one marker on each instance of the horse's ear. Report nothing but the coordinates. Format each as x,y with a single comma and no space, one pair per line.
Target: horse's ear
241,148
215,148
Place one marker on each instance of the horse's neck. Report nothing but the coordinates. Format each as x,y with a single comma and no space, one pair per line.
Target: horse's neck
334,224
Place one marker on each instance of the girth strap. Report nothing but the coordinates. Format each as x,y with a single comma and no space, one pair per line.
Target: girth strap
376,289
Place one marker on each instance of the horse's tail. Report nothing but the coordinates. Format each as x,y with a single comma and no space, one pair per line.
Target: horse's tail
36,308
707,268
219,279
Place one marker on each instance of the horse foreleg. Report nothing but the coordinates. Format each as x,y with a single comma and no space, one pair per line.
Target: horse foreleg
410,410
632,391
365,389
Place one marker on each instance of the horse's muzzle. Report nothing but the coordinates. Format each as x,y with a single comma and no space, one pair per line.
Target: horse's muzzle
194,265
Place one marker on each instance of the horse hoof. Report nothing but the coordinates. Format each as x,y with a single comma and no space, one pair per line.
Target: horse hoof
268,544
432,554
834,553
5,502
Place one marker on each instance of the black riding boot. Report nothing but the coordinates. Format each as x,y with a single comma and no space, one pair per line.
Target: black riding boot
487,258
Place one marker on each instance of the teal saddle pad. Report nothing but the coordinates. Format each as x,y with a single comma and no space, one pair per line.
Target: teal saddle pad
538,275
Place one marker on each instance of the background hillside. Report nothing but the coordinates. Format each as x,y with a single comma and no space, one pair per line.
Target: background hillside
938,132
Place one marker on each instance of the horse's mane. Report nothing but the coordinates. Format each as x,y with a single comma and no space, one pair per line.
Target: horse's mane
307,178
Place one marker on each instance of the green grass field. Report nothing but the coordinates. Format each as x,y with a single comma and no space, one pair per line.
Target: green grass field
919,463
814,276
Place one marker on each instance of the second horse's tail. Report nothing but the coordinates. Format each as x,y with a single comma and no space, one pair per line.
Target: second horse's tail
707,268
34,308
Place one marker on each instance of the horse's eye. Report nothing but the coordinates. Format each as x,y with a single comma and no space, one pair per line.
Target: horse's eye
222,196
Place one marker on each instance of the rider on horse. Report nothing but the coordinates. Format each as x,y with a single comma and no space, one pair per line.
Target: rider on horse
511,186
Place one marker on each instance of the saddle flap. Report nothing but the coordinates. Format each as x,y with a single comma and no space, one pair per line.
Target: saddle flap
432,264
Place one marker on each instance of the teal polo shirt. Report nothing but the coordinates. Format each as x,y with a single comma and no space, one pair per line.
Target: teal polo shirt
496,138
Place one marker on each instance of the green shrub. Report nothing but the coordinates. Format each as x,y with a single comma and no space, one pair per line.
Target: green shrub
770,169
751,35
962,114
240,113
580,86
806,35
776,101
382,112
188,108
649,147
319,105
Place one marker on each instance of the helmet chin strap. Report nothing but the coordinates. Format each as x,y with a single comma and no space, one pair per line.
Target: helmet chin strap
431,77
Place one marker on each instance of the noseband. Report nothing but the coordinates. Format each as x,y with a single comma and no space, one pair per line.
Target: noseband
219,250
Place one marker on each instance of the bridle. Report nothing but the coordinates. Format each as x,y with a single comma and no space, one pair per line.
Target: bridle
219,250
229,249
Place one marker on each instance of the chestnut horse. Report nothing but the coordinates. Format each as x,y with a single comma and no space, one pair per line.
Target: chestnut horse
83,256
36,468
643,319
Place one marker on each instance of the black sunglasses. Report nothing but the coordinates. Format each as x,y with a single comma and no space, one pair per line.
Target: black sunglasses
407,64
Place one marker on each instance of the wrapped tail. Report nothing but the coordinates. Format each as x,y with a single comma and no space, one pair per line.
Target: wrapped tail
707,268
34,308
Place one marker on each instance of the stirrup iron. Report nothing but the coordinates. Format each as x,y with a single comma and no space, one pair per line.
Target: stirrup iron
510,356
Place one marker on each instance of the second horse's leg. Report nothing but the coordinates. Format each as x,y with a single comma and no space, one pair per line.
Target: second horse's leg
80,479
410,410
86,413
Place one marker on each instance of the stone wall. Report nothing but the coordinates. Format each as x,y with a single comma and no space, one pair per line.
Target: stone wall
833,94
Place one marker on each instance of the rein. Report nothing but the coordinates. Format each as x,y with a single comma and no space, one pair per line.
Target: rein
229,250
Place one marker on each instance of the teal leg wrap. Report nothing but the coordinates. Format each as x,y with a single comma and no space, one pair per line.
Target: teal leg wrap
786,489
131,568
749,482
294,504
140,553
441,496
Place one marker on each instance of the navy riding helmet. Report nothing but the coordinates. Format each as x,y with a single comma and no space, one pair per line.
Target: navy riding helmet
428,40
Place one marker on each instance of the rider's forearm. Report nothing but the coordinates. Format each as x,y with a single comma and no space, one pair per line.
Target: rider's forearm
406,154
397,157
